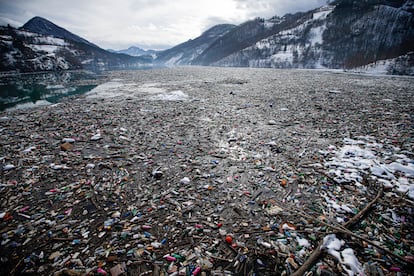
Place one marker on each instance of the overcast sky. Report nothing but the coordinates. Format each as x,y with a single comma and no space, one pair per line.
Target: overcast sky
155,24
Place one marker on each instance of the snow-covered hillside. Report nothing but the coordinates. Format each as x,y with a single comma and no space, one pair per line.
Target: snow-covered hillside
39,52
333,37
345,34
186,52
342,35
299,46
23,50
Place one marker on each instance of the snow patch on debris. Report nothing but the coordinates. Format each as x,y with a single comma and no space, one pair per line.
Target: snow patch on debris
119,89
150,88
171,96
365,157
340,208
346,257
303,242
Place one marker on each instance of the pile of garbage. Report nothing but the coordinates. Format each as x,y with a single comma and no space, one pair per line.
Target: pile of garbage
207,176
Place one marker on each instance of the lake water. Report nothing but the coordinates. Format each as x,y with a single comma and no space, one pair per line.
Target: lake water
28,90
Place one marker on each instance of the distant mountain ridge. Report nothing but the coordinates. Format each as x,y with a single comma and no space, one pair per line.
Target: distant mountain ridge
43,26
344,34
135,51
40,45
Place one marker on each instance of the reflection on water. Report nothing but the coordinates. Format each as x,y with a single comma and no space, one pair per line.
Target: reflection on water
25,90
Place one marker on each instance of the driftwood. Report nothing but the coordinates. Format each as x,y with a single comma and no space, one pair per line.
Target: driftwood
340,229
363,212
13,272
316,254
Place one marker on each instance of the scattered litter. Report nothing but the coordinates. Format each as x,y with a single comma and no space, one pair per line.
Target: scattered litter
187,171
362,157
346,257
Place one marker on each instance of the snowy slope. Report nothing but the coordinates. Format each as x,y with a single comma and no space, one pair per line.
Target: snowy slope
186,52
346,34
33,52
343,35
334,37
300,46
25,51
43,26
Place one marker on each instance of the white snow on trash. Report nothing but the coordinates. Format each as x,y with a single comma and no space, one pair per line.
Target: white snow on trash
346,257
8,167
29,149
171,96
118,89
365,157
303,242
341,208
150,88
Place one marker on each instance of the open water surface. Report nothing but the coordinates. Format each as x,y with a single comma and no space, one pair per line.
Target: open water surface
35,89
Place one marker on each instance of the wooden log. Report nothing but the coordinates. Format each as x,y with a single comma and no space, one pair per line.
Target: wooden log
318,252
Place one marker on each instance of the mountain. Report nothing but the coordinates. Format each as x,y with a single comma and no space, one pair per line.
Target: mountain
345,34
134,51
245,35
364,32
40,45
43,26
185,53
